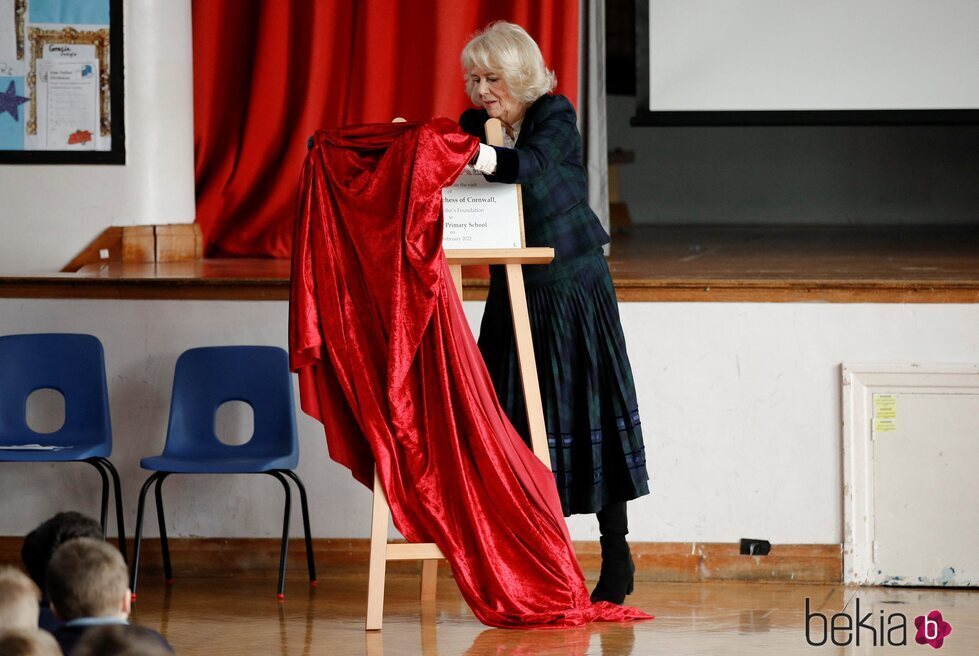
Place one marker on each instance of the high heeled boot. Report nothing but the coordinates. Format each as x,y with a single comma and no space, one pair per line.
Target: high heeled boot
618,570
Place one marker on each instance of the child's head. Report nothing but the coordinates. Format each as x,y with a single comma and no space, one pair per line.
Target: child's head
23,642
88,578
18,600
119,640
41,543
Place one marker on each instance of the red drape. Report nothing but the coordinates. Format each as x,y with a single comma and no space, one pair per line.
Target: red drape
268,74
387,362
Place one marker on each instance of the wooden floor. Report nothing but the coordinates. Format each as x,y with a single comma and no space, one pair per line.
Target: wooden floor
883,264
242,617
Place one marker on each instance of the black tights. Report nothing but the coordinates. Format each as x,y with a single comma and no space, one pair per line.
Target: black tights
612,519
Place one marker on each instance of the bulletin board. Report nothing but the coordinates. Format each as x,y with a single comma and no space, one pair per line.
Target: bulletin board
61,82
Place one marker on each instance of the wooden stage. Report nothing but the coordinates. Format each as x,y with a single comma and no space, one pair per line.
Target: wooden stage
882,264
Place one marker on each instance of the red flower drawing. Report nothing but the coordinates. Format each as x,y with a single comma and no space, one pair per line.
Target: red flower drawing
79,137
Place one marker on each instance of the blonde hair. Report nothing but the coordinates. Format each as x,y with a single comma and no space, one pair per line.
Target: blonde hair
21,642
507,49
87,578
18,600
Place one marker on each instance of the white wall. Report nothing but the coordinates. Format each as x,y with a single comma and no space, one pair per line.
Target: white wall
49,213
740,405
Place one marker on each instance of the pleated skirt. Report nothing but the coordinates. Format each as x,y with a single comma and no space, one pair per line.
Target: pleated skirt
587,389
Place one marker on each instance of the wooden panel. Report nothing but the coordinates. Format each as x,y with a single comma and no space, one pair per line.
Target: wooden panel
138,244
655,561
179,242
802,563
107,246
141,244
753,291
704,561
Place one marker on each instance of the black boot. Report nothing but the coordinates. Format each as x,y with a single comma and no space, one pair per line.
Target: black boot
616,578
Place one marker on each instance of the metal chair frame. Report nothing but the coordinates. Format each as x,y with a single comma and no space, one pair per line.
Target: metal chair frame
280,475
204,379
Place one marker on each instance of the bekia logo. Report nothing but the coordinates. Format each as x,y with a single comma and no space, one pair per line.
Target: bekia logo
932,629
842,629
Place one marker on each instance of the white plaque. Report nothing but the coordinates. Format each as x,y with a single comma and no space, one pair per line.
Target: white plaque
481,214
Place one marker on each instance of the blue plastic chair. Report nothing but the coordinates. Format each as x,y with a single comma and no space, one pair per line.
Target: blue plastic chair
204,379
74,365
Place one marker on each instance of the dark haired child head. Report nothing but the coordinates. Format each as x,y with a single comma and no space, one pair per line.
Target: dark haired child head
41,543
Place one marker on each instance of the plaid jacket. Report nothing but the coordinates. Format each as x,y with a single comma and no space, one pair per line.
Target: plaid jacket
546,162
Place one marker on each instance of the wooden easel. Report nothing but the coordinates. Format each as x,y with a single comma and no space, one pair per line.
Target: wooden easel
429,553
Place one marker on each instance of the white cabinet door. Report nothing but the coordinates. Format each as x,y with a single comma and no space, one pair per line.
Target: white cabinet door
911,474
926,523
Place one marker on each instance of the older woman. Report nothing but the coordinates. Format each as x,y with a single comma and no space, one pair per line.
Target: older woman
587,389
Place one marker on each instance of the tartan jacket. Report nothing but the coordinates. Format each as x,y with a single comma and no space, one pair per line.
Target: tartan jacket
546,162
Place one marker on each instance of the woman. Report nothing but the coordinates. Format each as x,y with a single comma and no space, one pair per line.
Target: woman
586,382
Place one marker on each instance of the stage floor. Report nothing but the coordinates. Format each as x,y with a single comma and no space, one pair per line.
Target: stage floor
241,616
884,264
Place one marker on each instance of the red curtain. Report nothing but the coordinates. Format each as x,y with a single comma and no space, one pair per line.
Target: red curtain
268,74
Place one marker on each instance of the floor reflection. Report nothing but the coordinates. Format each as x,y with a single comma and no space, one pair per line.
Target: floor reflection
239,616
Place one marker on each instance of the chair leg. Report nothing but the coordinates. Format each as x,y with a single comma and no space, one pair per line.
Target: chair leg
120,518
138,536
104,508
310,564
161,520
285,532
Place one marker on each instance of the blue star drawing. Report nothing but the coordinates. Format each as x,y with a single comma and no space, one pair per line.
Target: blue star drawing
10,101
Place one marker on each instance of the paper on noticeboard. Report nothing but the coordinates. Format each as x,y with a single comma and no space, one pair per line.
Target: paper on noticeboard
68,103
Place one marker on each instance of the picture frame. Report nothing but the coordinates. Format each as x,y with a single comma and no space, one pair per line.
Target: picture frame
85,64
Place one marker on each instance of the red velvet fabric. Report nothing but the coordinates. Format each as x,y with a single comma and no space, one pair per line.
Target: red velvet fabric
389,365
268,74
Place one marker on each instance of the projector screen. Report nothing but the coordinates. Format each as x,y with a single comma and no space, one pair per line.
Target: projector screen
759,61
